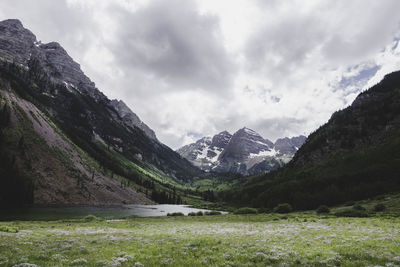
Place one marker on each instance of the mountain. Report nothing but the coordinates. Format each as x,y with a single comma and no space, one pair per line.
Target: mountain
354,156
63,141
244,152
131,119
204,152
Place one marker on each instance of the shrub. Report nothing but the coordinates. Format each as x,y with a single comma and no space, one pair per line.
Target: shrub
380,197
246,210
379,207
323,209
213,212
9,229
359,207
192,214
264,210
351,213
283,208
175,214
91,218
199,213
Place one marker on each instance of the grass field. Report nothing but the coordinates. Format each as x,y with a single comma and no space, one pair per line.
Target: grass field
225,240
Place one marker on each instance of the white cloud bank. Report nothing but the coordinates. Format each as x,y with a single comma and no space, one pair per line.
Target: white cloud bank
191,68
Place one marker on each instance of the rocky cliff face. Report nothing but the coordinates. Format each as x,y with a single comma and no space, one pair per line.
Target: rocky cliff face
19,45
16,42
244,152
131,119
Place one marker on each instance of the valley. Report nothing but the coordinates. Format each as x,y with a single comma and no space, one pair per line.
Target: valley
85,182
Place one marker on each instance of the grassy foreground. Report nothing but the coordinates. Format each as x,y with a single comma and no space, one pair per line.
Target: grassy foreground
225,240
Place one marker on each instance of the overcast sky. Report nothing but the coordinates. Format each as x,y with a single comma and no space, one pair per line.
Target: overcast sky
192,68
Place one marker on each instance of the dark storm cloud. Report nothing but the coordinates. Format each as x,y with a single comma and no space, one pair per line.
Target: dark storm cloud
171,41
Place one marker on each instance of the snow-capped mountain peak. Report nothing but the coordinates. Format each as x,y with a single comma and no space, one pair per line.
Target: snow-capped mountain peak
245,152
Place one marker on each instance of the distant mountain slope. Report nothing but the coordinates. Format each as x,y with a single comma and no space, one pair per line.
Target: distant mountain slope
355,155
244,152
47,77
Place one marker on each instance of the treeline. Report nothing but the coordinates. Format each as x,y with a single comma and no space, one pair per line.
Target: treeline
209,195
16,188
164,198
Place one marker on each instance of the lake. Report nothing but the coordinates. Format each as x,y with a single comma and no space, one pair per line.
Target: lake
107,212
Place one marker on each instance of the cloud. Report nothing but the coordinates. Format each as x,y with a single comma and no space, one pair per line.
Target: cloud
170,40
338,33
190,68
53,20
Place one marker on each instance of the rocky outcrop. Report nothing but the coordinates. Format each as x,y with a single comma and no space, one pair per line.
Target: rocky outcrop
131,119
16,42
19,45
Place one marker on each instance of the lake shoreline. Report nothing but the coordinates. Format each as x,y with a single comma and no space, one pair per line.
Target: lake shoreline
61,212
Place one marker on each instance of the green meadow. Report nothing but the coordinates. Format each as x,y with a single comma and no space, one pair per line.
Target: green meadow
295,239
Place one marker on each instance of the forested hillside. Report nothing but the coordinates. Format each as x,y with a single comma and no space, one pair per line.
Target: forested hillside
355,155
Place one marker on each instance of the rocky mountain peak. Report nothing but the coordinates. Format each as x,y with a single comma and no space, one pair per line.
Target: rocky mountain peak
251,138
16,42
221,139
245,152
243,143
246,131
19,45
12,24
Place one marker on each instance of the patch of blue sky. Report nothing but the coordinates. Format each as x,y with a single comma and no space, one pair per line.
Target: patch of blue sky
360,79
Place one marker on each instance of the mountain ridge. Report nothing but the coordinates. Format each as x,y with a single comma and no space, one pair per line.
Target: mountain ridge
47,78
245,152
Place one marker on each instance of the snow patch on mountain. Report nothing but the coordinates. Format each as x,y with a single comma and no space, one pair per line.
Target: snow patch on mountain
265,153
245,152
